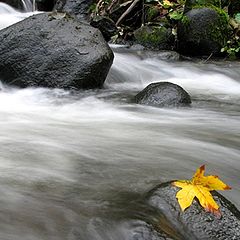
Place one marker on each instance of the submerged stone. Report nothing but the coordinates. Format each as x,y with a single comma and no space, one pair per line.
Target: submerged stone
163,94
54,50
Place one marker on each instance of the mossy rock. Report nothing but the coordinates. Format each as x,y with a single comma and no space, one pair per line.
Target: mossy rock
205,32
155,37
190,4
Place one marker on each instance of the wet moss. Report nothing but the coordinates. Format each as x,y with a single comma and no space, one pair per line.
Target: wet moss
190,4
158,37
185,20
219,32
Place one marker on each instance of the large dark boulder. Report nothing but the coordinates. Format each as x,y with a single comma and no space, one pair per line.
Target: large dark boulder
194,223
79,8
163,94
53,50
202,31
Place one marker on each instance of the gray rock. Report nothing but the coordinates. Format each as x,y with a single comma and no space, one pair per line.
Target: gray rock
203,31
163,94
54,50
194,223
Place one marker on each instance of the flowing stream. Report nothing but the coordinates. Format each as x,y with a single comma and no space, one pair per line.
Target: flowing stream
74,164
9,15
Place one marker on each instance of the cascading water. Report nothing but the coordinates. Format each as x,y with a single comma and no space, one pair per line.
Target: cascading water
28,5
9,15
73,165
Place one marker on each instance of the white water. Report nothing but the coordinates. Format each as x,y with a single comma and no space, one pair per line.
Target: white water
9,15
73,165
28,5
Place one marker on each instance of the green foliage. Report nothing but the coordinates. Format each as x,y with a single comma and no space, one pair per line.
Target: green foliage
185,19
205,3
152,12
232,47
152,36
237,18
176,15
93,8
164,14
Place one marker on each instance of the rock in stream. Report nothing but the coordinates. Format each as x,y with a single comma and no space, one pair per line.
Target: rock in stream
163,94
194,223
54,50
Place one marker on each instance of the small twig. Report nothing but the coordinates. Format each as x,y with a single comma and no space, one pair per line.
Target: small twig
127,12
111,5
143,13
208,57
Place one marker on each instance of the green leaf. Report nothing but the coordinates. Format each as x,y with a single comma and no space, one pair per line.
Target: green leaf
223,49
237,18
175,15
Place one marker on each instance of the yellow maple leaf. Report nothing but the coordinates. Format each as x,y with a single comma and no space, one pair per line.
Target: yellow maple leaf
200,187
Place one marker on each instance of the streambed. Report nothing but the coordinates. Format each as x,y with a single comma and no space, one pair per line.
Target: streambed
74,164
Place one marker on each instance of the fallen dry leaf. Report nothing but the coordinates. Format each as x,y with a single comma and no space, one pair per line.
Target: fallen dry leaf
200,187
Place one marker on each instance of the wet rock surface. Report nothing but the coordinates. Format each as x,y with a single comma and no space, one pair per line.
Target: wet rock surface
54,50
203,31
163,94
194,222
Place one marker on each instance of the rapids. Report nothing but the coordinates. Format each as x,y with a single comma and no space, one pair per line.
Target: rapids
74,164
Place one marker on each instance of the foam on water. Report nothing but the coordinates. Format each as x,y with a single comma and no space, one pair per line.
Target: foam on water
132,72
